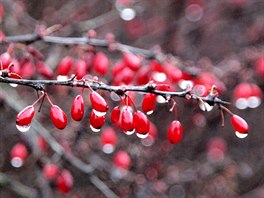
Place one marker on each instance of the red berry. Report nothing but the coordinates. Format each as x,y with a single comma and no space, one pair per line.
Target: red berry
5,60
18,154
19,150
80,69
143,75
96,122
239,124
117,68
64,66
141,122
24,118
132,61
98,102
127,122
108,136
115,115
64,182
125,76
173,72
101,63
122,160
42,143
28,70
175,132
149,103
58,117
50,171
260,66
44,69
77,110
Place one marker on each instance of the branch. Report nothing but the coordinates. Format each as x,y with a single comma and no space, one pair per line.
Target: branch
40,85
31,38
17,187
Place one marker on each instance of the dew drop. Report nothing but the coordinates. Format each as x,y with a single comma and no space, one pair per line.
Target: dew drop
16,162
149,112
128,14
62,78
142,136
129,132
160,76
94,129
13,85
161,99
253,102
185,84
241,135
108,148
241,103
149,141
23,128
99,113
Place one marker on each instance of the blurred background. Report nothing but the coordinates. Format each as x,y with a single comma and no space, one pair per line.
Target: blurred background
217,42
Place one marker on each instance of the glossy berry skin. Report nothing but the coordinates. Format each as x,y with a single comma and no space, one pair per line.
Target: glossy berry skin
122,160
80,69
51,171
98,102
58,117
127,122
108,136
19,151
149,102
132,61
101,63
175,132
64,182
141,122
77,109
25,116
115,115
96,121
239,124
65,65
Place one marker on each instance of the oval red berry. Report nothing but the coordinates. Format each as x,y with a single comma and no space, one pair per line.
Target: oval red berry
175,132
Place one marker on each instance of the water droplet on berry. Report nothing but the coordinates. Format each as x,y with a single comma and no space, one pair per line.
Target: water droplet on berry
148,141
98,113
23,128
149,112
108,148
161,99
185,84
241,103
17,162
13,85
128,14
142,136
253,102
241,135
94,129
62,78
129,132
